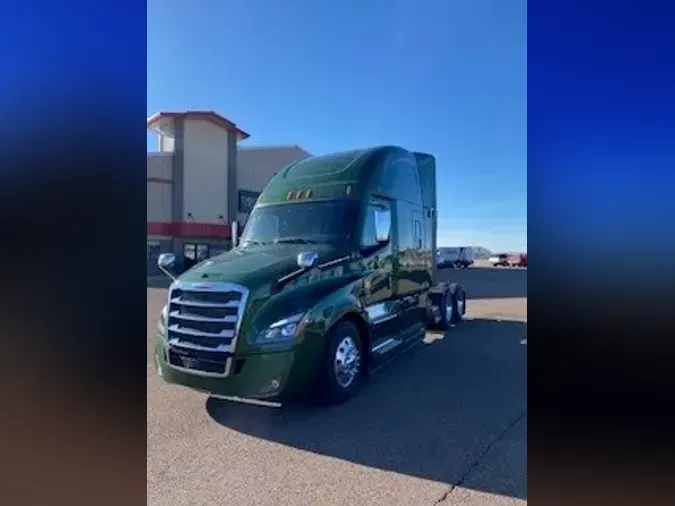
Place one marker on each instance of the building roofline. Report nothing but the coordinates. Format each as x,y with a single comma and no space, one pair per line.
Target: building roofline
274,146
210,116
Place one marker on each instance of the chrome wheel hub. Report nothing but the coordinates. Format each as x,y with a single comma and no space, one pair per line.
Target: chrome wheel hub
460,305
347,362
448,310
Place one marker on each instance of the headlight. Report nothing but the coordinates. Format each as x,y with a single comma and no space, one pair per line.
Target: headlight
283,330
163,318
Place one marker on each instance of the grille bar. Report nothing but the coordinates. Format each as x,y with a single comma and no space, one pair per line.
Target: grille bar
204,318
198,333
196,347
192,317
197,303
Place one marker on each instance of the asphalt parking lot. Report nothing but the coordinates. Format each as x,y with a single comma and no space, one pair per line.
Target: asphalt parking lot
444,424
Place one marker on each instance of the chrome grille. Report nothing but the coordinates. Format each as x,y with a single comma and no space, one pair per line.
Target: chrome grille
203,326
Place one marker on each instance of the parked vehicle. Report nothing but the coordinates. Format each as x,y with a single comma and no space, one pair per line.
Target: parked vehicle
334,273
521,261
500,260
461,257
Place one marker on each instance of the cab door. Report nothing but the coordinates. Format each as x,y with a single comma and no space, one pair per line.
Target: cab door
413,278
379,247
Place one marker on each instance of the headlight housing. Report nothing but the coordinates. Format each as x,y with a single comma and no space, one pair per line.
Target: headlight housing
282,330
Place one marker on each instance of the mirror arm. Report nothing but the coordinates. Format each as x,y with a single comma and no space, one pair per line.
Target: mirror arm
168,273
165,260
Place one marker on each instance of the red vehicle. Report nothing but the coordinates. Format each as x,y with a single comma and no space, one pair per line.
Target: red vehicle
509,260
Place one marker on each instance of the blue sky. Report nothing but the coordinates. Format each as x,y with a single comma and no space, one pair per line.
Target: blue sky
445,77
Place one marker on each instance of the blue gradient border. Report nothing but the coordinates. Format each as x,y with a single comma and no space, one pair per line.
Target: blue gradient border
601,133
601,164
74,66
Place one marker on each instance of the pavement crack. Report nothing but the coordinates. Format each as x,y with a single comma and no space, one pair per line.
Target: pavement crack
445,495
480,457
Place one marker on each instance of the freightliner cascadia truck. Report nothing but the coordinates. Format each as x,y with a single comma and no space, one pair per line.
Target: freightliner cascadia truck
334,273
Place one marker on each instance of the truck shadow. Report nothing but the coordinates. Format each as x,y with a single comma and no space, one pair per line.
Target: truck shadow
489,282
452,411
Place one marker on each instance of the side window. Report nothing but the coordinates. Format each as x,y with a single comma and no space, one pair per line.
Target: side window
376,225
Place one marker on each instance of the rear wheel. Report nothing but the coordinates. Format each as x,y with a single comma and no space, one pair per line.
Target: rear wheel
342,371
444,310
459,298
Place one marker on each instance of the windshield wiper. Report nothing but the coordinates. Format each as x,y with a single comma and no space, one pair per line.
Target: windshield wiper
294,240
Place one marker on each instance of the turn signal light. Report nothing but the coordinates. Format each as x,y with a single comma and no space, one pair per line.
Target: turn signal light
299,194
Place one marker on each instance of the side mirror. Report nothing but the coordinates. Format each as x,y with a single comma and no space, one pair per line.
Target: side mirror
307,259
382,224
164,262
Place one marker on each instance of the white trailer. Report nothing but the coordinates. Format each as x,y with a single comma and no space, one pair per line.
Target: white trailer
459,257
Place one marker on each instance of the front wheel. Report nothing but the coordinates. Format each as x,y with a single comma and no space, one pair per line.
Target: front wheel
342,371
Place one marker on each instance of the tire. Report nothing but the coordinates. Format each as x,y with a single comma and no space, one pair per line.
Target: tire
459,301
337,384
447,306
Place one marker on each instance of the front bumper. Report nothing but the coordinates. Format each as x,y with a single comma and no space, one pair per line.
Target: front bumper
275,375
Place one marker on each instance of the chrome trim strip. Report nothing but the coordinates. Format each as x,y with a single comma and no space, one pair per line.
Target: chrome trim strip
297,272
226,319
291,275
198,333
383,319
382,345
385,345
333,262
178,300
244,400
207,286
189,346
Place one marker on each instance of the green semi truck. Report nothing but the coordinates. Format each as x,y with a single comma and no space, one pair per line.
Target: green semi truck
334,273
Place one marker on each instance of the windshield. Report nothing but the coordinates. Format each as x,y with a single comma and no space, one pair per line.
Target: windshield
302,223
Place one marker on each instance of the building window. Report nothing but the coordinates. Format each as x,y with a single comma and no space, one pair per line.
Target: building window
153,249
